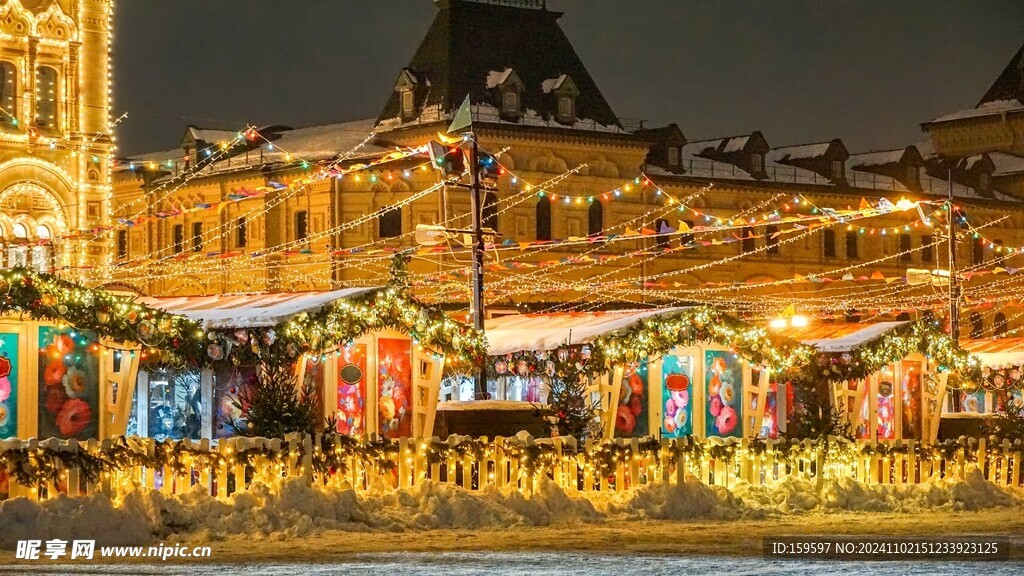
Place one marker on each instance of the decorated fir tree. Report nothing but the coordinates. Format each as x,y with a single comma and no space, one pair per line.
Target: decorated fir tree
274,405
570,410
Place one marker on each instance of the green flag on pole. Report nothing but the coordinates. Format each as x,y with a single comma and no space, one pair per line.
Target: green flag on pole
463,118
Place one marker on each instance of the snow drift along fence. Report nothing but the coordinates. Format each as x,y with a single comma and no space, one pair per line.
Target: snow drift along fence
44,469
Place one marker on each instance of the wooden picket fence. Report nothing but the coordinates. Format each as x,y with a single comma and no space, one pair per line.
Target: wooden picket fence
521,461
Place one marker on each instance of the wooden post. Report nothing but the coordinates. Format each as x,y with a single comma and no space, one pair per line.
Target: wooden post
403,463
681,462
588,473
983,457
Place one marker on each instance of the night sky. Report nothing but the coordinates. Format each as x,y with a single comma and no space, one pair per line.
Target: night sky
867,72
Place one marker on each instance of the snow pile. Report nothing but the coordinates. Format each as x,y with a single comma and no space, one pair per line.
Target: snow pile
793,494
289,508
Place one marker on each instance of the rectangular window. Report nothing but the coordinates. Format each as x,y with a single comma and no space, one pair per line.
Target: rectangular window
977,251
905,246
565,107
178,238
927,250
122,244
828,242
241,233
851,245
673,155
749,242
757,163
301,225
772,239
407,102
838,170
197,236
983,181
913,174
510,102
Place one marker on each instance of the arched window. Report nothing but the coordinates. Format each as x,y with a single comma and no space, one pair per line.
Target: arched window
391,223
241,232
197,236
8,92
977,326
46,97
544,219
20,230
178,238
1000,325
43,233
490,211
595,218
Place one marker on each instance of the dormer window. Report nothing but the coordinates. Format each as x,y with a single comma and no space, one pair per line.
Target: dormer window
410,84
565,92
507,89
913,174
983,181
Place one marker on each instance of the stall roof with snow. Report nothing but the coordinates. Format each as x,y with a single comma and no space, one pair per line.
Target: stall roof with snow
997,353
249,310
544,331
841,337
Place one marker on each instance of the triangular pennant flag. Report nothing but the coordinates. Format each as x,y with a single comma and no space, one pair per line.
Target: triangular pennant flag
876,275
463,118
864,205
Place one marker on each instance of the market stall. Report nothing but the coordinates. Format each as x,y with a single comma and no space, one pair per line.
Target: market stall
999,384
374,357
666,372
69,356
886,379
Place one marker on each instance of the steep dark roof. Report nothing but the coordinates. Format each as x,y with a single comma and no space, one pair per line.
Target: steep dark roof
468,40
1009,85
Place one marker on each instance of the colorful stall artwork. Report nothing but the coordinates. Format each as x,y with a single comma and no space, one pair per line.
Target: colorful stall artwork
632,414
724,376
911,391
230,386
69,370
351,389
973,402
175,405
886,411
313,378
8,385
770,417
676,394
394,387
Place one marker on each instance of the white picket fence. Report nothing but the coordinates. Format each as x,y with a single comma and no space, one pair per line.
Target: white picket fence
232,464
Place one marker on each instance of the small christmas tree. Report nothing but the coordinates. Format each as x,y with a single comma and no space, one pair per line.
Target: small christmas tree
274,405
571,412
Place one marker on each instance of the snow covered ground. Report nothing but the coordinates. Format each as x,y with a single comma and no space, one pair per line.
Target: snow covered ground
290,520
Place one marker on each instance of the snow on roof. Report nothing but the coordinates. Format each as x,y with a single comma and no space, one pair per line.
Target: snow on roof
841,337
495,79
1006,163
701,168
876,158
778,172
552,83
987,109
696,148
997,352
736,143
785,153
249,310
507,334
212,136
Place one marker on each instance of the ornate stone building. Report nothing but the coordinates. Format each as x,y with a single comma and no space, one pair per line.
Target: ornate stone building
240,210
55,132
